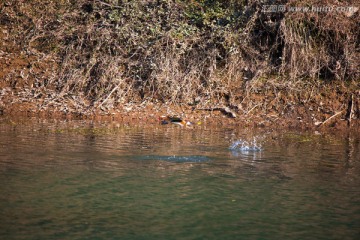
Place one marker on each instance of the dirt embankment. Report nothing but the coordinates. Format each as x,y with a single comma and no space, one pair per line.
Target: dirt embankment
210,62
325,109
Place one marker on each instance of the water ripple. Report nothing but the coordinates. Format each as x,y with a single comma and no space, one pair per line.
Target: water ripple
177,159
246,146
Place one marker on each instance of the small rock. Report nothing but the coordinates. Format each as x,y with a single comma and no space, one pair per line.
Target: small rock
318,123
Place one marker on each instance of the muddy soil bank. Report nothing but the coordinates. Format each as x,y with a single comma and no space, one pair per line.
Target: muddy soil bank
308,117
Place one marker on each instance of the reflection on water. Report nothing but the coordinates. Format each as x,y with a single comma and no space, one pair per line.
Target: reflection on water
174,158
86,181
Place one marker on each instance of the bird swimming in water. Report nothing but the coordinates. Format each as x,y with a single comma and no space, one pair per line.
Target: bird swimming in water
174,120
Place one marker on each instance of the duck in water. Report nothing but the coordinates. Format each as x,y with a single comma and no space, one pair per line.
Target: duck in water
175,120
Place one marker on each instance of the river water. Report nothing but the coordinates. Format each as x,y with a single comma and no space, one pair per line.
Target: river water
82,180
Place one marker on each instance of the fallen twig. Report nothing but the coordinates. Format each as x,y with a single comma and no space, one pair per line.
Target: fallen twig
252,109
114,89
109,5
333,116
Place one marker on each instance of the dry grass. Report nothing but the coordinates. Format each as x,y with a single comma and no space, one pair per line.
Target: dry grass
321,44
207,53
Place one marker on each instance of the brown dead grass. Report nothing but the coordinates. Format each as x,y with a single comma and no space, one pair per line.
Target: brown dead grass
87,56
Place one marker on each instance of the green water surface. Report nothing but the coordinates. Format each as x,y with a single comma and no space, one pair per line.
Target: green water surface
85,181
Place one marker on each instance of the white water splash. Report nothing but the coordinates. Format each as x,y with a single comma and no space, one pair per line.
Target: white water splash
245,146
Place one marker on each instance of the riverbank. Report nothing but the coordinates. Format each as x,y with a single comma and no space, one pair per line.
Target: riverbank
324,111
209,62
